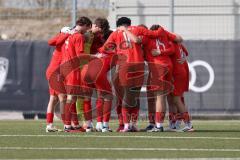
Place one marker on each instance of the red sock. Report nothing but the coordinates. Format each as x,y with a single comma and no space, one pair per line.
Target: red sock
74,114
50,118
186,117
87,109
159,118
126,114
119,113
134,114
99,108
172,117
179,117
67,112
107,111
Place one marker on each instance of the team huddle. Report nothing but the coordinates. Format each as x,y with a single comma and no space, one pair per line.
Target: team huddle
136,57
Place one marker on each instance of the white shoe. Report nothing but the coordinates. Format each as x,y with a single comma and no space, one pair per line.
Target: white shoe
186,129
155,129
89,129
125,130
51,128
89,126
106,129
99,127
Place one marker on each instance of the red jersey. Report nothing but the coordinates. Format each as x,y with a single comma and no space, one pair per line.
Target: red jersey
58,42
180,54
166,48
97,42
125,46
158,65
180,70
74,46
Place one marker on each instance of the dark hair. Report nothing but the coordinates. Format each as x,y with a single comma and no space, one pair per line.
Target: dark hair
84,21
104,25
142,25
154,27
123,21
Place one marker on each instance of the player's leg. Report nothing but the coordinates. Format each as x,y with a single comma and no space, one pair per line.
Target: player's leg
99,109
134,84
87,89
183,112
107,105
158,72
119,94
180,86
151,107
160,112
87,110
172,112
71,120
62,102
53,100
105,92
67,113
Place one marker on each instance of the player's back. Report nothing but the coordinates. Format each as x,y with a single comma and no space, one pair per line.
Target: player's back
132,50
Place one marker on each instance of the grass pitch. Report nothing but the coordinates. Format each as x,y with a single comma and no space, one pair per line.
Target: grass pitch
28,140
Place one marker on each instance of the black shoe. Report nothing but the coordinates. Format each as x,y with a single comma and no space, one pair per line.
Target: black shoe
149,127
155,129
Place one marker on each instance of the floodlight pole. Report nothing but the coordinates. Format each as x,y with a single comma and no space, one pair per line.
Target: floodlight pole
74,12
171,15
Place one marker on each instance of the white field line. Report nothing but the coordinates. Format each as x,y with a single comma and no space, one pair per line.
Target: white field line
121,149
134,136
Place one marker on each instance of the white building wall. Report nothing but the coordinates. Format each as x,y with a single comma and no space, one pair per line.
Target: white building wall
194,19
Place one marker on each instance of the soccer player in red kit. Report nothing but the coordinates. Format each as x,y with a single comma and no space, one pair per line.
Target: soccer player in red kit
181,85
74,48
57,41
94,75
158,51
130,67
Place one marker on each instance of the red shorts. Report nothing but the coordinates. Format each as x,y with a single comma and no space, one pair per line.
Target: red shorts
181,83
53,92
160,77
102,84
73,82
87,87
131,74
94,75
